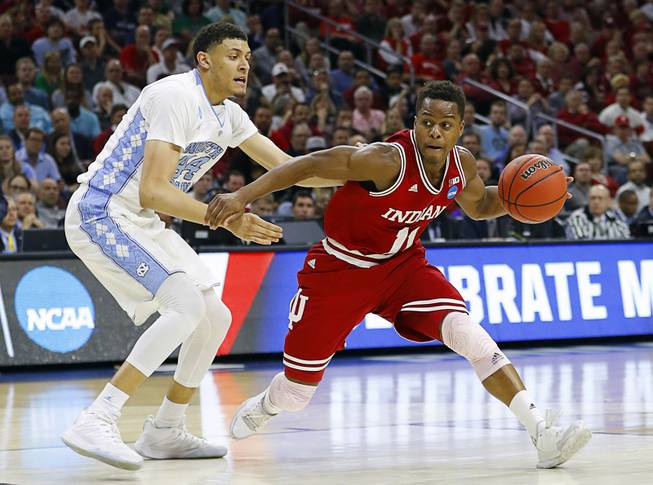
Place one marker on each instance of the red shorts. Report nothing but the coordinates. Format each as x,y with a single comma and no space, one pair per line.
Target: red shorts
334,297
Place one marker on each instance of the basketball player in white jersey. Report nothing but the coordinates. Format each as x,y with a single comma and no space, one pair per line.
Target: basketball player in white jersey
175,132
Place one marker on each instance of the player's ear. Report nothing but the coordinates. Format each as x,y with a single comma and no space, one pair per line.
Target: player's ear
203,60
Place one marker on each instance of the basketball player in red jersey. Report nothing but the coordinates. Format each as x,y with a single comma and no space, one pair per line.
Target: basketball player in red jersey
372,261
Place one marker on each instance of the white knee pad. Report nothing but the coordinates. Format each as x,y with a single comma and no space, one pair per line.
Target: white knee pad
198,351
470,340
179,294
288,395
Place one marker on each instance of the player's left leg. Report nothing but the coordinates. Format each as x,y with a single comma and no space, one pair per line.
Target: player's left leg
428,307
164,435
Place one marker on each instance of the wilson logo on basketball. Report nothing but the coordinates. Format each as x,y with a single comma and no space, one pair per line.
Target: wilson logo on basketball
539,165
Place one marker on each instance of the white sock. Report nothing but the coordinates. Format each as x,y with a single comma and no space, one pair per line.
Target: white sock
268,407
170,414
523,407
110,401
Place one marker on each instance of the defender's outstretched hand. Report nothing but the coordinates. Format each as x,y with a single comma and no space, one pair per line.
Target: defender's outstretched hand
251,227
223,207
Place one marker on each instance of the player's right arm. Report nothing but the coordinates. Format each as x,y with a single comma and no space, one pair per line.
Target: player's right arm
378,163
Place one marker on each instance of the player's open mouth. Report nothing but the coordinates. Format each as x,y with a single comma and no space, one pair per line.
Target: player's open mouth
241,80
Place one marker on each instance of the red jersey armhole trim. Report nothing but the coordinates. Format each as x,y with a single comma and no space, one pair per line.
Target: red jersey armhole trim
402,172
459,164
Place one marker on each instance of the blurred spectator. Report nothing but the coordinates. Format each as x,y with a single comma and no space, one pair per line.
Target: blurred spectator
645,215
301,132
234,180
48,197
266,55
627,203
315,143
322,196
50,77
412,21
78,18
120,22
12,48
469,117
580,189
342,78
72,81
82,121
502,76
544,83
21,121
190,21
637,183
10,166
93,68
517,135
592,88
534,100
222,9
340,136
263,120
107,46
299,114
452,63
339,35
320,86
33,156
597,220
256,35
10,233
39,118
138,57
494,137
556,100
622,107
67,162
26,74
117,112
80,145
392,123
548,135
471,68
647,120
123,93
394,44
303,205
426,63
168,63
363,78
264,207
103,106
577,113
16,184
203,186
54,41
26,209
281,85
365,119
622,148
472,141
34,27
524,65
372,23
594,156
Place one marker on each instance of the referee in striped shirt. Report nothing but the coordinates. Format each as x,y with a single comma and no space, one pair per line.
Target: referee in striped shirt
596,220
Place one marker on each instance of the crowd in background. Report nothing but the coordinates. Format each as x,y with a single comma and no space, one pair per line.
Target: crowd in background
71,69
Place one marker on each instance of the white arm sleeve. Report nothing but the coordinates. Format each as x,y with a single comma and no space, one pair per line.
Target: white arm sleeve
167,115
241,125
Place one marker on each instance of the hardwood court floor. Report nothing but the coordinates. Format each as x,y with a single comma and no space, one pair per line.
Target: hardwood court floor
395,419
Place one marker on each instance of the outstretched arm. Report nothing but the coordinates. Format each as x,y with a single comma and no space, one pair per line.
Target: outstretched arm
264,152
378,163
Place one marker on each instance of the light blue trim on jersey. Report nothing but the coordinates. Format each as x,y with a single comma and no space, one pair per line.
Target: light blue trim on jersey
118,169
198,81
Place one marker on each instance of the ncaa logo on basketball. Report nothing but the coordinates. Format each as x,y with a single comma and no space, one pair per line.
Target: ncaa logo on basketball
54,309
452,192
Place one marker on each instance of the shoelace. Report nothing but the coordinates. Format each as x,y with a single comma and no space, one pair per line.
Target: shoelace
109,427
256,417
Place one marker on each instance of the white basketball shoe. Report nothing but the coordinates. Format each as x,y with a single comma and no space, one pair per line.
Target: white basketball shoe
174,443
95,434
555,445
250,417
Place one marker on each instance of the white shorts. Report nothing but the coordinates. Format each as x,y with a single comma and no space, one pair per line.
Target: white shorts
130,254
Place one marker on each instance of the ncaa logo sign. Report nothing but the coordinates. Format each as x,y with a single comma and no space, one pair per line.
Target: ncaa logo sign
54,309
452,192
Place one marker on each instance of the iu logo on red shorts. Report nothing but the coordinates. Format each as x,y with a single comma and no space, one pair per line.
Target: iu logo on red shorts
297,306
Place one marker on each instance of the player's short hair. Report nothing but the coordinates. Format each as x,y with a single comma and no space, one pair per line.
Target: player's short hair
215,34
442,90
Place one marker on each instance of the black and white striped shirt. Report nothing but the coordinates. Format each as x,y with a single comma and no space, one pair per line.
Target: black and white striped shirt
581,224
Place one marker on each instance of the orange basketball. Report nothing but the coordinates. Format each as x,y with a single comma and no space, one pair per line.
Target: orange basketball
532,188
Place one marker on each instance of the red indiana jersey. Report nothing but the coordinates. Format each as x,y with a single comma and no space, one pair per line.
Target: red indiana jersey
366,228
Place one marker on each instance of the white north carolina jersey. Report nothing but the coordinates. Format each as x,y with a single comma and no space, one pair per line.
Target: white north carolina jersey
175,110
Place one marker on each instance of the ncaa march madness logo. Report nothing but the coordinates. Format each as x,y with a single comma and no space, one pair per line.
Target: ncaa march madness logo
54,309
